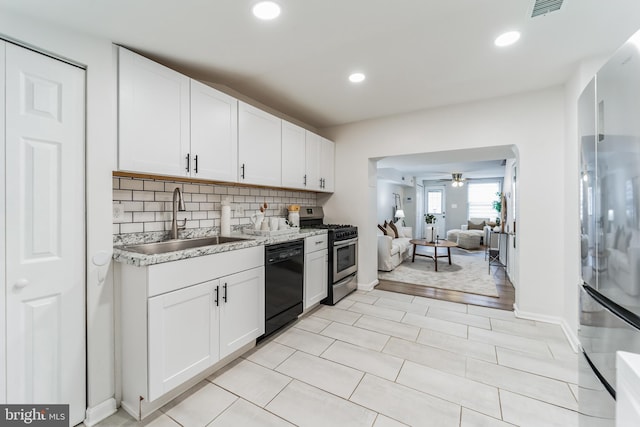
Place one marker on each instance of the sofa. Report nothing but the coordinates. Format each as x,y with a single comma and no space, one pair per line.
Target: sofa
471,235
393,250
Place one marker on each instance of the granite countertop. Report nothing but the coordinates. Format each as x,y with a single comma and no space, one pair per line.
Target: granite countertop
134,258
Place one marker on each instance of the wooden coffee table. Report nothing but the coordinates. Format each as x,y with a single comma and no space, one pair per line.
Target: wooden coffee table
441,244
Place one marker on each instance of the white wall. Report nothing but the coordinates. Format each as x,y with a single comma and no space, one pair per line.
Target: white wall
385,200
97,55
532,122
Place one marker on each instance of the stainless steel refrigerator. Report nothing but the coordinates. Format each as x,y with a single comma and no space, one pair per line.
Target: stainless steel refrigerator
609,129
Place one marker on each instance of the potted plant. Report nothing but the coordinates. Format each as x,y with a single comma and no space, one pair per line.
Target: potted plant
497,206
430,231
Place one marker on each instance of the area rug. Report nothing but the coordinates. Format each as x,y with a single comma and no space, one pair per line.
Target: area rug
467,273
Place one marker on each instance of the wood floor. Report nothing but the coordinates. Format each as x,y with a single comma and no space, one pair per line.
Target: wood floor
505,300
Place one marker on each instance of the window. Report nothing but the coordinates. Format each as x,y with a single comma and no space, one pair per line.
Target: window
481,198
434,202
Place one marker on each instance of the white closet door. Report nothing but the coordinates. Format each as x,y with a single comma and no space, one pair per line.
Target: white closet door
3,361
45,231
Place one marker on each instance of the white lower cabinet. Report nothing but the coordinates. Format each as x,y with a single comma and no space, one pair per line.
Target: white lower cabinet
241,309
183,336
315,270
181,319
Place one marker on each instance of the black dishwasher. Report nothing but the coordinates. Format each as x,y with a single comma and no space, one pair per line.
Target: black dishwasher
284,275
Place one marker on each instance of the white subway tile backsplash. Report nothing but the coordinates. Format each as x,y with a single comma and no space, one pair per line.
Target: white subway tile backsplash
153,226
144,216
133,227
133,206
121,194
148,204
163,197
199,215
141,195
170,186
153,206
191,188
131,184
153,185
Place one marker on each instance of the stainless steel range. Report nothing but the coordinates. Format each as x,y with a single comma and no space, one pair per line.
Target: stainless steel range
343,253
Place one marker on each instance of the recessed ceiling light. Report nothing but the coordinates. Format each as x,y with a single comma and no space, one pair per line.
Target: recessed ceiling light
356,77
507,38
266,10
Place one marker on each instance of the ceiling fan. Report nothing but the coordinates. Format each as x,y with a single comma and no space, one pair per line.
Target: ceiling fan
456,179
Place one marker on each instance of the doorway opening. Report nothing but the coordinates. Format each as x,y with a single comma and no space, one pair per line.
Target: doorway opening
433,189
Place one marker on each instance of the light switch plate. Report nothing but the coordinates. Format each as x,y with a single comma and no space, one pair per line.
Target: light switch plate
118,212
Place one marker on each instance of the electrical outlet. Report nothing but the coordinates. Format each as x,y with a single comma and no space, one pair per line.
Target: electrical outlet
118,212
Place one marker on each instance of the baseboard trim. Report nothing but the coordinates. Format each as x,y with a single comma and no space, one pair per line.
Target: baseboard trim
367,286
97,413
571,337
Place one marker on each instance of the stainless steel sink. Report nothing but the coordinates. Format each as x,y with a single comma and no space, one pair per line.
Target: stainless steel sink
179,245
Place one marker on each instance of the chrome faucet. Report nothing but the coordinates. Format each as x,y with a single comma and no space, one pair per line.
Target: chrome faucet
178,205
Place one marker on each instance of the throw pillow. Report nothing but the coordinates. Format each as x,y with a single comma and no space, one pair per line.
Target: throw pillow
475,225
395,230
390,232
382,229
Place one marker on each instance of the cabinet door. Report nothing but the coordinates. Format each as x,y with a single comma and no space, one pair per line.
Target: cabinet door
153,114
241,309
214,134
259,146
293,156
183,336
315,278
327,150
312,162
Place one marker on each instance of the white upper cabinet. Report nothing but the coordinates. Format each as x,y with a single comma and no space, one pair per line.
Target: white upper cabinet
294,173
327,159
153,116
259,146
214,134
169,124
319,163
312,161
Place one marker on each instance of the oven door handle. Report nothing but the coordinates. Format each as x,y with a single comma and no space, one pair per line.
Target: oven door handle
345,242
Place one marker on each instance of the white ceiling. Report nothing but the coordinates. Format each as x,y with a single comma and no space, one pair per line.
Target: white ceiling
416,53
473,163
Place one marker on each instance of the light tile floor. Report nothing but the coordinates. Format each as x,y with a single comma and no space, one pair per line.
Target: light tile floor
383,359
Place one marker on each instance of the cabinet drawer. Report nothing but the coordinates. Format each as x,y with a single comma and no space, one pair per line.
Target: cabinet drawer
170,276
315,243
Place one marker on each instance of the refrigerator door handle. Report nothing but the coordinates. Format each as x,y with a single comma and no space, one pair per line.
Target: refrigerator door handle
619,311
